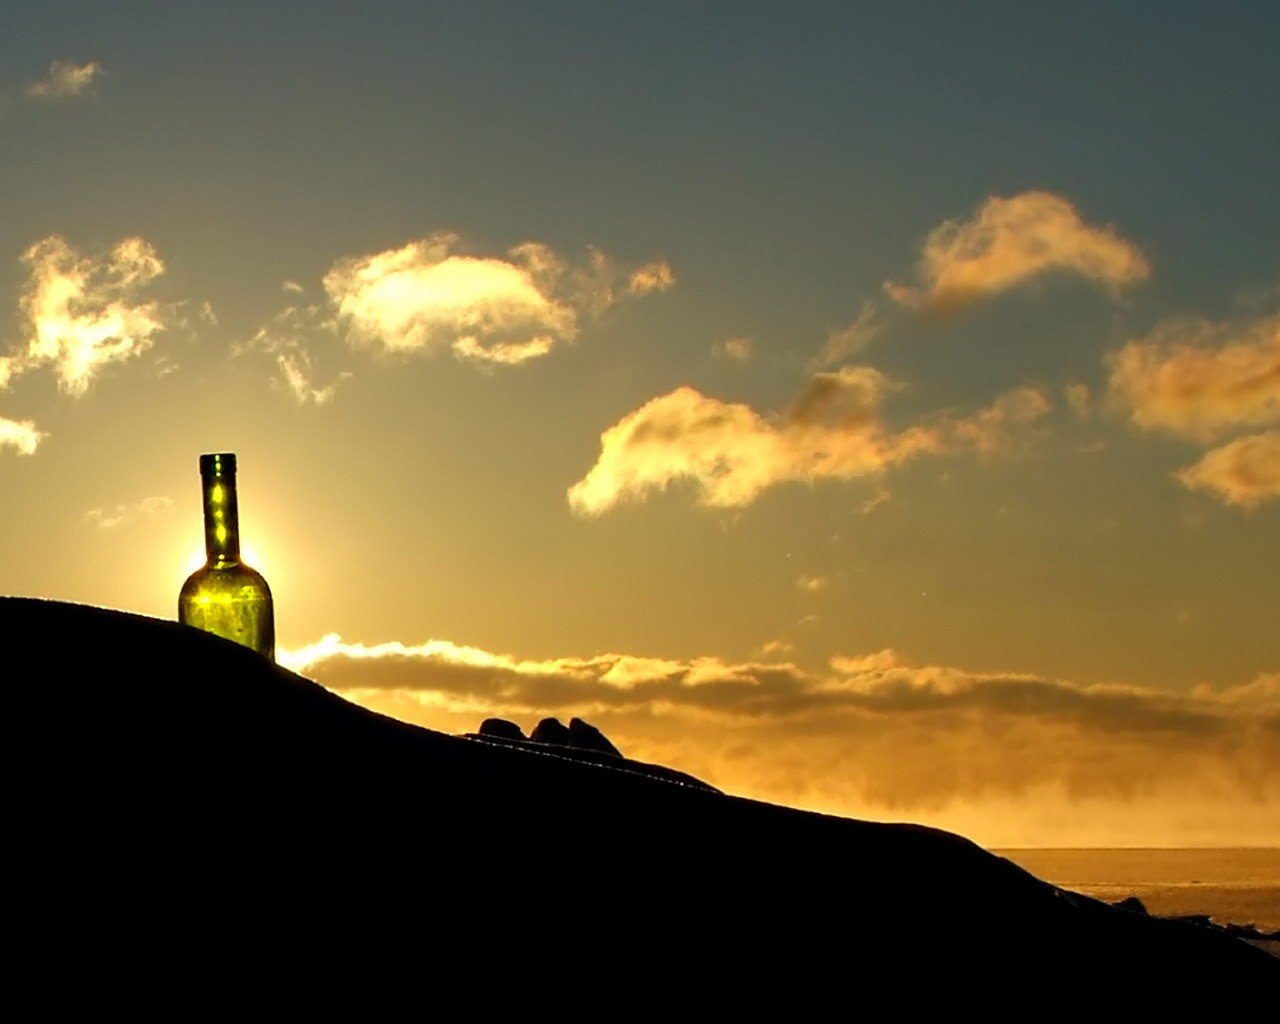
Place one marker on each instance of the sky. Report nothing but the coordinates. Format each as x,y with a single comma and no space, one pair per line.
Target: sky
872,408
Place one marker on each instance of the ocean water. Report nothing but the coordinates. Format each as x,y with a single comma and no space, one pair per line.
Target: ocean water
1237,886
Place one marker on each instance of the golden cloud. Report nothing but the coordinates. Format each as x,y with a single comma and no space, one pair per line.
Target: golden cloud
1010,241
1079,399
426,297
82,313
732,453
1201,380
20,435
652,277
1243,472
848,341
875,735
64,79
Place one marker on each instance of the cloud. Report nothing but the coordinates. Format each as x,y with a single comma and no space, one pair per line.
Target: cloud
1079,399
296,378
811,584
291,338
64,79
833,431
1200,380
1008,242
1244,472
848,341
652,277
426,297
777,648
834,740
20,435
81,313
109,519
738,348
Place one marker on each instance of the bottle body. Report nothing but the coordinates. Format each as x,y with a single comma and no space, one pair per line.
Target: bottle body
232,601
225,596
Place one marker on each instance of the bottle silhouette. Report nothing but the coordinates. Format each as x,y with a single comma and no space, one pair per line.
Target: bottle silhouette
225,596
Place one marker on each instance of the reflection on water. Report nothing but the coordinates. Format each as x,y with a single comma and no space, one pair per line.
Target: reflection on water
1241,886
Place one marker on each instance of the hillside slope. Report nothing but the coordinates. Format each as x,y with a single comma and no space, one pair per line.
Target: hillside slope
168,776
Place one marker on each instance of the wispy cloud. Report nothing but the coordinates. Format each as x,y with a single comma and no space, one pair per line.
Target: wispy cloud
296,378
19,435
64,79
81,313
811,584
1008,242
1079,400
1244,472
739,348
109,519
652,277
291,339
1201,380
833,739
834,430
851,340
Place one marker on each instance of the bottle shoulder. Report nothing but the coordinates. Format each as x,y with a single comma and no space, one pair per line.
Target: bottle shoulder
234,576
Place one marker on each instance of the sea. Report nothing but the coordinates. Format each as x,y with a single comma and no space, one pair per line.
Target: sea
1240,886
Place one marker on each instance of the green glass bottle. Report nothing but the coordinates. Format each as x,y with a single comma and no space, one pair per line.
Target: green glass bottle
225,596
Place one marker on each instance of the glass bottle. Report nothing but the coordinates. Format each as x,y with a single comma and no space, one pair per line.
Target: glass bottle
225,596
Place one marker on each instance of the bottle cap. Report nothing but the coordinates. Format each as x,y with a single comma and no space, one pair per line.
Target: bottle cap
221,464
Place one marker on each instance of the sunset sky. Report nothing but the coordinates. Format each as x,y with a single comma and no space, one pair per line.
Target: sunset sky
874,408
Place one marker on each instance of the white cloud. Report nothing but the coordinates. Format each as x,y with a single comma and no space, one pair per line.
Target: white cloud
1201,380
64,79
1010,241
82,313
1244,472
833,430
20,435
109,519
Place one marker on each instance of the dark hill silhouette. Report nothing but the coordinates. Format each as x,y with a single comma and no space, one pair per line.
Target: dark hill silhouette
170,791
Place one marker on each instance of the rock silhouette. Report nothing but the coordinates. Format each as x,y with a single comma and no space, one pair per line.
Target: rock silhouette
588,737
580,742
174,798
500,728
550,731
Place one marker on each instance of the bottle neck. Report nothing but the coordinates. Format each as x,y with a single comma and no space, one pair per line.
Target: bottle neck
221,519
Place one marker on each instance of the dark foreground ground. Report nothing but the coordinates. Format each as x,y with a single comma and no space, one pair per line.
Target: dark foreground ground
174,798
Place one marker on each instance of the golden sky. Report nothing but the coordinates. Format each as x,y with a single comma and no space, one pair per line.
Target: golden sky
810,406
